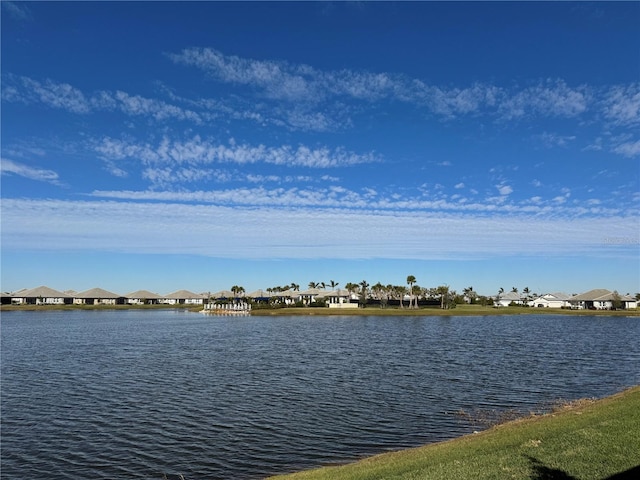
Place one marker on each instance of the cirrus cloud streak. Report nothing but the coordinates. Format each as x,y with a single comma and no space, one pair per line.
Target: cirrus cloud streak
260,233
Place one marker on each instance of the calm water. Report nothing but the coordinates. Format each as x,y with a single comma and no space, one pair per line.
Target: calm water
139,394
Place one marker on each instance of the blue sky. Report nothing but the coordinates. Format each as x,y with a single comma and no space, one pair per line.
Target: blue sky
200,145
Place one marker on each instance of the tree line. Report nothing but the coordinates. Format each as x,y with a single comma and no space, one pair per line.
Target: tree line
384,295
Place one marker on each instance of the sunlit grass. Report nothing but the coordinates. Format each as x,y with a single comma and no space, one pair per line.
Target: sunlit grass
584,440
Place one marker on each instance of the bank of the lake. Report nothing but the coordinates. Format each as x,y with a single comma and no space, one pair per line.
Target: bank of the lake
460,310
581,441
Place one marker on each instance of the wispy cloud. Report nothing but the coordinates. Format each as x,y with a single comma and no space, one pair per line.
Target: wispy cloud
8,167
628,149
284,81
66,97
301,97
52,94
202,151
551,98
621,104
369,199
453,102
138,105
550,140
276,233
279,80
18,11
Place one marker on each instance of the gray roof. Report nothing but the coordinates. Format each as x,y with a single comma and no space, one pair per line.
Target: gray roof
96,293
311,291
601,295
183,294
41,291
287,294
561,295
513,296
334,293
554,296
592,295
259,294
142,294
223,294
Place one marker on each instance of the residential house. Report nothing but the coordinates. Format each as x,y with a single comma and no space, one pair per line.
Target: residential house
288,297
309,296
41,296
98,296
183,297
6,298
15,298
505,299
551,300
142,297
259,296
337,299
602,299
222,295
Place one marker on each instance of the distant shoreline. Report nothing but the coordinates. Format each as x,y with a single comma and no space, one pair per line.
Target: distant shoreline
461,310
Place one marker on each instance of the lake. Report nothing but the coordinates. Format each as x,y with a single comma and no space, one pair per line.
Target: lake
141,393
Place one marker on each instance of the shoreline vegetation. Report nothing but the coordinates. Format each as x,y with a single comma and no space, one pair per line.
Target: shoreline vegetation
581,440
461,310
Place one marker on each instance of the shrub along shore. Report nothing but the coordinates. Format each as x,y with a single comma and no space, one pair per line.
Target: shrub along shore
582,440
468,310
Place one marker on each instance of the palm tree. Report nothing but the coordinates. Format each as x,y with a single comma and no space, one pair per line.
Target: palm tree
313,285
500,292
333,284
410,281
237,290
377,291
526,292
351,288
295,287
364,289
400,291
470,294
416,290
443,291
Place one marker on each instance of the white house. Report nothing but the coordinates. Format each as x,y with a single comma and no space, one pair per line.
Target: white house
288,297
551,300
602,299
309,296
337,299
505,299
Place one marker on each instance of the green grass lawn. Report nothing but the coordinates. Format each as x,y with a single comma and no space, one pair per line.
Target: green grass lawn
586,440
